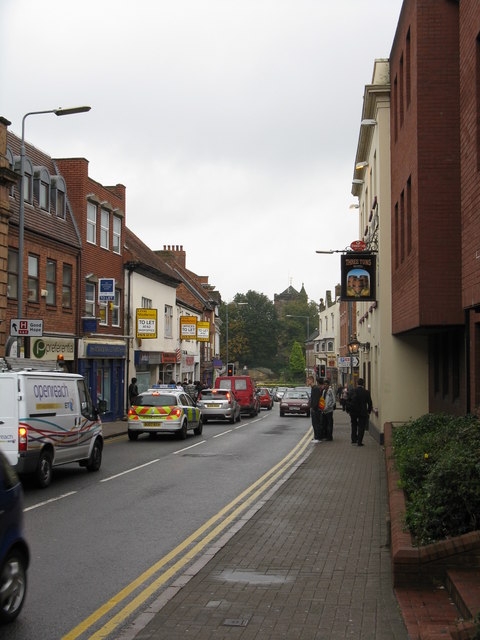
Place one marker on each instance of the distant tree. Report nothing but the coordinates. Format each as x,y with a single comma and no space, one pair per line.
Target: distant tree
252,330
297,362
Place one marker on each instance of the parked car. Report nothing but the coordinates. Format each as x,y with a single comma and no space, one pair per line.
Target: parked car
279,393
14,551
294,401
218,404
244,390
265,398
164,409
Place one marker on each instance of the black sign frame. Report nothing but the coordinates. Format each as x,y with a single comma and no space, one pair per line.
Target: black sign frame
358,276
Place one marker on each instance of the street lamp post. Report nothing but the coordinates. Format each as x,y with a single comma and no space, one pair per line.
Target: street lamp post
21,215
308,335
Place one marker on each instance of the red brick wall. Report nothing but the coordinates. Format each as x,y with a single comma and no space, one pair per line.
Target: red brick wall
426,270
101,262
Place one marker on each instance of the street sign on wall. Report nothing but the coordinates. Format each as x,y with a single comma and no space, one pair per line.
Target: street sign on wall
22,327
146,323
106,289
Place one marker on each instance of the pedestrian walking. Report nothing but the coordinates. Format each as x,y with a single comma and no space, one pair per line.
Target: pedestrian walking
315,412
327,412
359,406
132,391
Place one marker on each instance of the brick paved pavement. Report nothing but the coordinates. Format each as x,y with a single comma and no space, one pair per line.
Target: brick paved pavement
312,563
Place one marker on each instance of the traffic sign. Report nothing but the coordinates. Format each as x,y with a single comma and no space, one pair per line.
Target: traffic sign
20,327
355,361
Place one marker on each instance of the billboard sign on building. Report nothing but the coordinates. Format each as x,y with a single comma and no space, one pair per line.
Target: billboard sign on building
146,323
188,327
203,331
358,276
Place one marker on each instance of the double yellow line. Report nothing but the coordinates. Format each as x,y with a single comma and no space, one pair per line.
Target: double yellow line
246,498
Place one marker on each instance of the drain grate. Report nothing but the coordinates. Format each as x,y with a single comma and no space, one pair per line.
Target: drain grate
236,622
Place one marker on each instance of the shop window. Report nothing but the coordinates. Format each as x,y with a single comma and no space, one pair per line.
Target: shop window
33,285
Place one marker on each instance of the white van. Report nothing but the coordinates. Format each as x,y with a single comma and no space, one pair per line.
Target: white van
47,419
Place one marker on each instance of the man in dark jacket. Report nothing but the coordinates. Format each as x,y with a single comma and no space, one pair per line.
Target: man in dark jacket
359,406
315,412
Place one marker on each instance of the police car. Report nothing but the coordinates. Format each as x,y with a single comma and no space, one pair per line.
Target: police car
164,409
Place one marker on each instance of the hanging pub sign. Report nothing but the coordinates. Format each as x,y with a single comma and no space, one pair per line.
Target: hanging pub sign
358,276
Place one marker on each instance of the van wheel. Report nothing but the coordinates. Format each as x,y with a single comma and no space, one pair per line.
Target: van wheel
95,460
44,469
132,435
13,585
182,434
198,430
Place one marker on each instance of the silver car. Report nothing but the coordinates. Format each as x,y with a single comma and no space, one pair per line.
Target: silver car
218,404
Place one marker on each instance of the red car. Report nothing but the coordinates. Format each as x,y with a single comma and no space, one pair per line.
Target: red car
266,400
294,401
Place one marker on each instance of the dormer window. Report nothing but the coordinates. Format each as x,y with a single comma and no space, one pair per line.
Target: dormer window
59,190
41,187
11,165
27,178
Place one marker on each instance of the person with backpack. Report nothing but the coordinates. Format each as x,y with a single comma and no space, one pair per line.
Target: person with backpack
328,398
315,395
359,406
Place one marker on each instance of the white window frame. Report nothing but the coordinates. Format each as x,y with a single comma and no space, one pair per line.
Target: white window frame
104,228
103,313
168,331
90,291
117,235
92,222
116,309
147,303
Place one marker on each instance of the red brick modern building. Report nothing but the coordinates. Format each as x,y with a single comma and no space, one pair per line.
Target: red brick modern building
435,144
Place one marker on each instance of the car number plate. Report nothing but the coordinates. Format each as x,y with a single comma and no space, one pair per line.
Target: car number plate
153,424
211,406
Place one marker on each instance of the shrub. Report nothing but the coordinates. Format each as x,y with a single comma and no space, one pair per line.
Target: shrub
438,459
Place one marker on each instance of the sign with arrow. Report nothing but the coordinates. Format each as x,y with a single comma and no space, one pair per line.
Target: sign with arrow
21,327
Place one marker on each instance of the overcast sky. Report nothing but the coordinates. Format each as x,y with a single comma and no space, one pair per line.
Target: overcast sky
233,124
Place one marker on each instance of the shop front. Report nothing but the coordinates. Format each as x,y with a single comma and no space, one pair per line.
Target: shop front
152,367
102,363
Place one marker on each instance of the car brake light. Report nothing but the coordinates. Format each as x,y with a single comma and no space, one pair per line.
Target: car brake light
228,396
131,412
176,412
22,439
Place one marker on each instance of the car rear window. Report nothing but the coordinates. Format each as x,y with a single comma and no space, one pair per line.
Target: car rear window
240,385
296,395
225,384
155,400
208,394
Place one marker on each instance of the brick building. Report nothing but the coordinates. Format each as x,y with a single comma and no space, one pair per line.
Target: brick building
426,216
51,256
102,346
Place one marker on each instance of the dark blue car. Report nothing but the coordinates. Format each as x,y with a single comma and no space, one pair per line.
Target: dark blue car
14,553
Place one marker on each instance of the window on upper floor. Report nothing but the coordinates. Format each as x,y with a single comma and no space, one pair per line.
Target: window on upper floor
104,228
330,345
117,235
59,190
51,279
11,164
116,309
12,277
67,286
168,321
103,312
33,282
90,299
91,223
41,187
28,182
146,303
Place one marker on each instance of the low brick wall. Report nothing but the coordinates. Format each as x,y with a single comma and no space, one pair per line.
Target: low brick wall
412,564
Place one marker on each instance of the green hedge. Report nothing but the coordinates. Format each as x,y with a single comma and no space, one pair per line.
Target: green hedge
438,458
